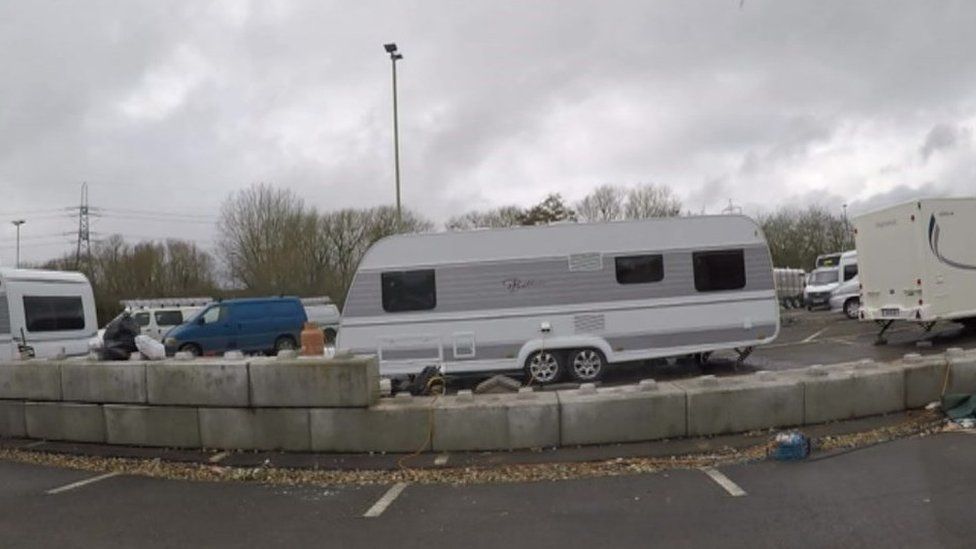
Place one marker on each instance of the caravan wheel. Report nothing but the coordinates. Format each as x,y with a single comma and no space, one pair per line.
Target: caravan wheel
543,367
586,364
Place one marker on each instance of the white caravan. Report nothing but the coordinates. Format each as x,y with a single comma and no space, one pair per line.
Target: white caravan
567,298
832,271
45,313
918,262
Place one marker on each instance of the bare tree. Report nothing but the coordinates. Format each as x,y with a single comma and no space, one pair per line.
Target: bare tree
605,203
506,216
651,200
796,237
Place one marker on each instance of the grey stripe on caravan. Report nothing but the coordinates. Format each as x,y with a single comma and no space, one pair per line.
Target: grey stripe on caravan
721,336
590,308
45,281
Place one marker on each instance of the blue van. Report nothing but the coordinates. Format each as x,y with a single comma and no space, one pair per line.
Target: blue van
250,325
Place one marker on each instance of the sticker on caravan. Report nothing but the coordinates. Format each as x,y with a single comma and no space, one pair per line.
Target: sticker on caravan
934,233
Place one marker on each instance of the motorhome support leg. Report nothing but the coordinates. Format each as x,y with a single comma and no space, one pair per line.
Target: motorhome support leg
743,355
885,324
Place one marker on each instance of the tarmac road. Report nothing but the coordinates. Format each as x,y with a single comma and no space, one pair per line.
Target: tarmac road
908,493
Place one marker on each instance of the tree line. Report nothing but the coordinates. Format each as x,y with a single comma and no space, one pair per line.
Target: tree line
271,242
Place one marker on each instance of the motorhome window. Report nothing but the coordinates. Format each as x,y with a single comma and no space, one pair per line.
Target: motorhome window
409,291
719,270
53,313
639,269
850,271
142,319
169,318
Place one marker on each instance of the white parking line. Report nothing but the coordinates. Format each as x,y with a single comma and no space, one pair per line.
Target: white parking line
80,483
724,481
218,457
441,460
385,501
814,335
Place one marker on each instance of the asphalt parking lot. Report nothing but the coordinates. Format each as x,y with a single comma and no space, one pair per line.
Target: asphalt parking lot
912,492
807,338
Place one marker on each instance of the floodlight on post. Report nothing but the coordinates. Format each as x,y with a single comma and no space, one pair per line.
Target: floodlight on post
391,49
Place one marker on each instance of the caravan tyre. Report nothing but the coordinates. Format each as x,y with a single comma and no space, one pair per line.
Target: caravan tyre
544,367
587,364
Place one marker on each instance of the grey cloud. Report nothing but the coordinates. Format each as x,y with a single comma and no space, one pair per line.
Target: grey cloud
942,137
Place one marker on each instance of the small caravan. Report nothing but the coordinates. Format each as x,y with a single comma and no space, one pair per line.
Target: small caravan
918,262
45,313
562,299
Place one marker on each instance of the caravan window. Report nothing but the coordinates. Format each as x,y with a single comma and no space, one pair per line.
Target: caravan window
719,270
409,291
53,313
639,269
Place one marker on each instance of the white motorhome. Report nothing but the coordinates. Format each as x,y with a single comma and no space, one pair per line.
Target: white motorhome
566,298
918,262
832,271
45,313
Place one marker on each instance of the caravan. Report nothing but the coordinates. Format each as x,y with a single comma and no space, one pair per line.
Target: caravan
45,314
562,299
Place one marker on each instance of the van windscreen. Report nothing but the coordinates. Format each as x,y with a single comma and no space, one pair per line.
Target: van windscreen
51,313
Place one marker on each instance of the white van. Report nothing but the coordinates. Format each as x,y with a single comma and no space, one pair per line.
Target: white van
155,317
832,271
45,314
562,299
918,262
324,314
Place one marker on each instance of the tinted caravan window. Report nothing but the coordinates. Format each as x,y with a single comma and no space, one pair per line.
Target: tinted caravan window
639,269
53,313
719,270
409,291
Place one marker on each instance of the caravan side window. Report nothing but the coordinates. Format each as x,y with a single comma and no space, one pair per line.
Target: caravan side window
409,290
719,270
51,313
639,269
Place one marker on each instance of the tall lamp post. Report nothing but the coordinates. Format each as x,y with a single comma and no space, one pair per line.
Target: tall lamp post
17,223
391,49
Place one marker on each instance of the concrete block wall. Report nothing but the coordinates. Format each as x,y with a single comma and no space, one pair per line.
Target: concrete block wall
333,406
647,411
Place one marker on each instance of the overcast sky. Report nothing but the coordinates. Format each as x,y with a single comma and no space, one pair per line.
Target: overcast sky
170,106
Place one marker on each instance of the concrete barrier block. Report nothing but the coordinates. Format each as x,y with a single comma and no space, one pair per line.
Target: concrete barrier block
12,418
496,422
120,382
315,382
31,380
255,428
962,372
864,390
622,414
400,424
742,403
65,421
152,426
204,383
924,379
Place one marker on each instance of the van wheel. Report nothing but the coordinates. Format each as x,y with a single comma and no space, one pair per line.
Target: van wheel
191,348
851,307
543,367
587,364
285,343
